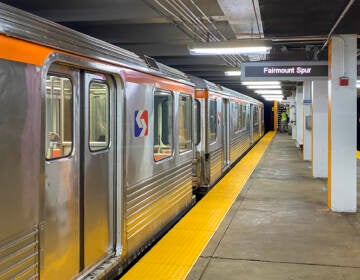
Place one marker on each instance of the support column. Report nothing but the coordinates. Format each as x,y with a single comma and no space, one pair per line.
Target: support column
307,121
299,118
319,90
292,120
342,124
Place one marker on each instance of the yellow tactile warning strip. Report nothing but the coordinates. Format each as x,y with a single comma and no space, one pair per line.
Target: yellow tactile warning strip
358,154
175,254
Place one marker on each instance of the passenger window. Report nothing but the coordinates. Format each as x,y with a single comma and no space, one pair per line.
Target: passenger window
256,115
212,120
59,117
99,126
243,119
163,125
237,117
185,114
197,135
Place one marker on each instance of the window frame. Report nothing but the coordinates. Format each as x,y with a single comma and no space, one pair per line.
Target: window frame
99,81
172,146
256,113
213,139
197,122
72,84
189,97
238,124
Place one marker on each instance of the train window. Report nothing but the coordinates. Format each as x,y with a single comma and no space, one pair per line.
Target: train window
99,126
185,119
59,117
163,125
256,115
212,120
237,117
243,118
197,122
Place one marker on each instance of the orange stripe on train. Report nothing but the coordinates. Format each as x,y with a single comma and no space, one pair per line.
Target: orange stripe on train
23,51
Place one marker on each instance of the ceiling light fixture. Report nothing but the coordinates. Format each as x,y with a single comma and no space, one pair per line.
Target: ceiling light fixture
272,96
269,91
264,87
232,73
252,46
262,83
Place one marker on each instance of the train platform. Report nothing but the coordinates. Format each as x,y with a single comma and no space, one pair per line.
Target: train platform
266,219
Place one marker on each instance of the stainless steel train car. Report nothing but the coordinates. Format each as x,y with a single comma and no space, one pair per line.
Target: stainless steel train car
98,147
229,123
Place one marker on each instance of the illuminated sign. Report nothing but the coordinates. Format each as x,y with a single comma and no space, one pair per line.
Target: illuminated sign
277,70
285,70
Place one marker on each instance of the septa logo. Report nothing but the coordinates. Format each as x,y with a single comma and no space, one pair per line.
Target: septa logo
141,123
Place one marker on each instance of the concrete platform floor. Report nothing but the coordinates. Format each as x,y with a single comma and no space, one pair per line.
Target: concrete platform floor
280,227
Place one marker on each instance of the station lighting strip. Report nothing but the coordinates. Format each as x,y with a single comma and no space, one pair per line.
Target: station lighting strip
264,87
273,97
232,73
269,91
245,46
261,83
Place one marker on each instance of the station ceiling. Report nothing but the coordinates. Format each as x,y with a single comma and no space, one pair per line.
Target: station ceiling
162,29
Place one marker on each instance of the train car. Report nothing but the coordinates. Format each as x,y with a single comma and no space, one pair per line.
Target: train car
228,123
100,148
96,150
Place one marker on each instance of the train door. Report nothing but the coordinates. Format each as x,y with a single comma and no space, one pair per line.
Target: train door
97,167
225,132
79,177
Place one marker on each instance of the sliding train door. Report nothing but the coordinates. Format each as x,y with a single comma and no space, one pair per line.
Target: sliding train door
225,132
97,167
77,213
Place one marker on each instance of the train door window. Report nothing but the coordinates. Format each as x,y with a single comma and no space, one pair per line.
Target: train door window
237,115
185,119
256,115
163,125
99,126
212,120
197,122
59,116
243,118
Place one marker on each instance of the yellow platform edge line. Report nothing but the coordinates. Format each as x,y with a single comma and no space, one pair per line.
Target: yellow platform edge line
176,253
358,154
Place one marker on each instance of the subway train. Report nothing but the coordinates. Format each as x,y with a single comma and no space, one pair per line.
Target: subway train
102,150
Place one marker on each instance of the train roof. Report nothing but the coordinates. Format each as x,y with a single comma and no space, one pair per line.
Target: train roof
23,25
201,83
204,84
240,95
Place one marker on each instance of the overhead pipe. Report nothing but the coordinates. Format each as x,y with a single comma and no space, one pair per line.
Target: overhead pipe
239,58
196,23
174,19
336,24
191,25
257,20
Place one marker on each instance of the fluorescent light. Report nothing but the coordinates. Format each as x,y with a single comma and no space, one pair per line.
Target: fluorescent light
358,83
252,46
264,87
269,91
262,83
232,73
272,96
238,50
